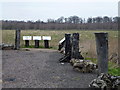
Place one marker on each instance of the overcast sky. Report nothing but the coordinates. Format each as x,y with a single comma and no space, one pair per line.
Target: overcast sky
44,9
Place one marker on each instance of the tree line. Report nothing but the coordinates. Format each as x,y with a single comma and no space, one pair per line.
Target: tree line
62,23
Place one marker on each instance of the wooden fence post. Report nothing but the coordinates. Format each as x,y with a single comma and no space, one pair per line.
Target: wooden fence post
75,47
17,40
36,43
102,52
118,33
68,46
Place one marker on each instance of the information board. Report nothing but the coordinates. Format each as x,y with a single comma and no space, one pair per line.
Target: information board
46,37
37,38
27,37
61,41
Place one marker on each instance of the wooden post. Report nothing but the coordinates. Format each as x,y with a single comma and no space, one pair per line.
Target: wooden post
17,40
102,52
75,47
36,43
68,46
119,33
119,42
46,43
26,43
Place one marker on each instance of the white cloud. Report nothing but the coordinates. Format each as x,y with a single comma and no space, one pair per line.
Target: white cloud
44,9
59,0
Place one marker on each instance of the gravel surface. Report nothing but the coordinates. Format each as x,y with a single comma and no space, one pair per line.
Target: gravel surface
40,68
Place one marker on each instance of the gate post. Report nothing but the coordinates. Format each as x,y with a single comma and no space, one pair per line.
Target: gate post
118,32
17,40
102,52
75,47
68,46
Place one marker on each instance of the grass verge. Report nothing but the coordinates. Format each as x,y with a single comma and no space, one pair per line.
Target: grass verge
113,69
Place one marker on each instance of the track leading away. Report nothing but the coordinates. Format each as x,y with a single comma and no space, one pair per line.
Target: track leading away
40,68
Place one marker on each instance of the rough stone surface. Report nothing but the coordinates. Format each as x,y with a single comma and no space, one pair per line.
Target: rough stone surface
85,66
36,68
106,81
4,46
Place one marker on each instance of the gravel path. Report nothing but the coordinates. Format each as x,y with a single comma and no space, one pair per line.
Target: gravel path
40,69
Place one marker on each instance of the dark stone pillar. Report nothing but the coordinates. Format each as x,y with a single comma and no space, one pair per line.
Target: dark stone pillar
102,52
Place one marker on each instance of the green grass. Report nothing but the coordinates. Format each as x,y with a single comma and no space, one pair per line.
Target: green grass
32,46
8,36
94,60
113,69
87,39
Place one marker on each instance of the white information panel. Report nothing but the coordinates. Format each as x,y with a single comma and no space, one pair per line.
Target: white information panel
46,37
37,38
27,37
61,41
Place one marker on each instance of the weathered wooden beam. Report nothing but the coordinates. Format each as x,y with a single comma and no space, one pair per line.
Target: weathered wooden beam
75,47
68,46
17,40
61,44
102,52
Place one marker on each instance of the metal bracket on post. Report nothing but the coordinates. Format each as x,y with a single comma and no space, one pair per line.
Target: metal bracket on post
102,52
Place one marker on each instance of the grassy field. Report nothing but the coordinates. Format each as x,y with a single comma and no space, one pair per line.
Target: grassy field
87,40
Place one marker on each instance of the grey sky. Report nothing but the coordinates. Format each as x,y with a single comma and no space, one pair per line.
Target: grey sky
44,10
